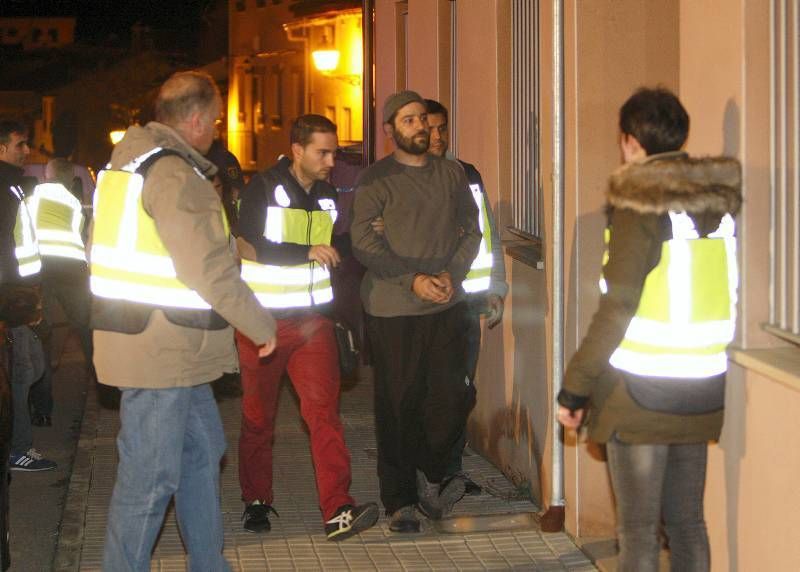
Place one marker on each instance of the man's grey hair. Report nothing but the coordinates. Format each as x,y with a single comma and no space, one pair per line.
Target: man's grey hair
60,171
185,93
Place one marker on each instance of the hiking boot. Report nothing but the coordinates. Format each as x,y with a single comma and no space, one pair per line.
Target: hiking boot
255,517
31,461
434,499
404,520
349,520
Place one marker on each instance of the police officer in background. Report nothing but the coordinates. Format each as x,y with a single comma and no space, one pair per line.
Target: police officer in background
165,287
59,220
231,181
485,284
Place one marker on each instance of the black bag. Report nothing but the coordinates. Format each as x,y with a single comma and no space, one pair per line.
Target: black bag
348,351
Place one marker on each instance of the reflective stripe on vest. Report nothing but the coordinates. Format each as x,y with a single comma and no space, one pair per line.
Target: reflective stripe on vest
58,218
687,311
479,275
128,260
301,285
26,247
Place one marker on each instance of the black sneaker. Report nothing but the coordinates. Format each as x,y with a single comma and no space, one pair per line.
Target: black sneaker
350,520
404,520
255,517
31,461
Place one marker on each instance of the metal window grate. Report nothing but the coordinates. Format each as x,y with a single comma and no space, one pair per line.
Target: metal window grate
525,172
784,314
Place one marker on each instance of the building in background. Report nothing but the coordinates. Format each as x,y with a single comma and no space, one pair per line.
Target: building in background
289,57
29,34
504,68
502,64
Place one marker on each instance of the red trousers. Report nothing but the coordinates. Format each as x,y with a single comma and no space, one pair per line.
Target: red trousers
307,352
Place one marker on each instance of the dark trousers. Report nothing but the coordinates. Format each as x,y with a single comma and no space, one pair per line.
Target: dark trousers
70,290
454,464
423,394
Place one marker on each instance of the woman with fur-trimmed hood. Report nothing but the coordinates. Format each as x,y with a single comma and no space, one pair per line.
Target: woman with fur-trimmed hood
645,400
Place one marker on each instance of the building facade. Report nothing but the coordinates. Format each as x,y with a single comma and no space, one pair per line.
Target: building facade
290,57
534,87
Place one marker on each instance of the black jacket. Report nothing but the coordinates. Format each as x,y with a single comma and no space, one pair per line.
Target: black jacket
11,175
259,194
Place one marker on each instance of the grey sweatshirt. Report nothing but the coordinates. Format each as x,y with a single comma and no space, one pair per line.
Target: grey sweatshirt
431,225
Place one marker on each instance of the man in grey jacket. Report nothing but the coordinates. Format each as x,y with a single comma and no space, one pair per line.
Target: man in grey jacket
417,317
165,287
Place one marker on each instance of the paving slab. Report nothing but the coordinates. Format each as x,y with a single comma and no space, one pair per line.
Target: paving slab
297,540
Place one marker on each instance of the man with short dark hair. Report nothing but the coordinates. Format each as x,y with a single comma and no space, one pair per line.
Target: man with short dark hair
166,287
417,316
485,283
651,368
20,270
286,226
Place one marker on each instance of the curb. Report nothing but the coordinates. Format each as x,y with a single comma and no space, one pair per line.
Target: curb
71,532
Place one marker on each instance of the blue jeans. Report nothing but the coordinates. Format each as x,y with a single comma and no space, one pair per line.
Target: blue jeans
27,367
655,481
170,444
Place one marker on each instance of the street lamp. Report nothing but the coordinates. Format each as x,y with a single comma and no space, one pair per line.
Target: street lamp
116,136
325,60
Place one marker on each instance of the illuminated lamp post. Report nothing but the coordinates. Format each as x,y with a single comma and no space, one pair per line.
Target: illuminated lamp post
116,136
325,61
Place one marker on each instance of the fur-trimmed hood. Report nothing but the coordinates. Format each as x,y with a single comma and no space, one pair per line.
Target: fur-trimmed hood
677,182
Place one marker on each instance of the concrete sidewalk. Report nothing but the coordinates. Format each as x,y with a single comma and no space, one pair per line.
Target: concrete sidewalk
296,541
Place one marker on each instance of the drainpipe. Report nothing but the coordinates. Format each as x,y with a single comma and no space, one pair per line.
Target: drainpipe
553,519
367,81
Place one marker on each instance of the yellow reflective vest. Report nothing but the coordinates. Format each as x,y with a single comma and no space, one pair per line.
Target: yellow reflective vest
301,285
479,276
687,311
26,246
128,260
58,218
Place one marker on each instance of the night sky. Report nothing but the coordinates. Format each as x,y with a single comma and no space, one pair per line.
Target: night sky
97,19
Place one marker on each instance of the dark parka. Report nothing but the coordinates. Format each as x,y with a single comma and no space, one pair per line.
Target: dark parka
640,196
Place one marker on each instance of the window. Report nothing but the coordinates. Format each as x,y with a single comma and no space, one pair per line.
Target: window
276,85
401,32
261,3
345,127
240,5
784,315
526,184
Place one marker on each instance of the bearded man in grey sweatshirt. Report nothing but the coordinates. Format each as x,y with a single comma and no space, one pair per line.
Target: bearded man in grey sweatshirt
417,317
